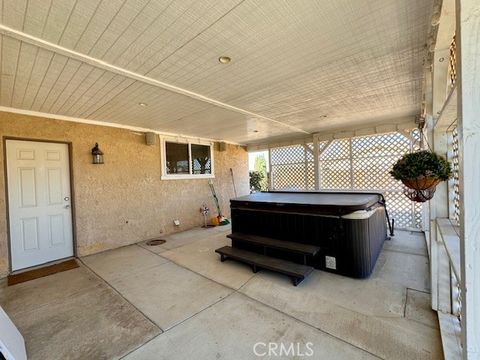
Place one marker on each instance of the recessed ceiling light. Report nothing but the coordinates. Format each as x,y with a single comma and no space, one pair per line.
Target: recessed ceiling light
224,59
143,104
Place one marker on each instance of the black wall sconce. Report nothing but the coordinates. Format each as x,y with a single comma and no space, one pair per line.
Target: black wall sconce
97,155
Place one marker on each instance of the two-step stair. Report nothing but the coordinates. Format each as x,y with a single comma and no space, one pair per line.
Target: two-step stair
297,272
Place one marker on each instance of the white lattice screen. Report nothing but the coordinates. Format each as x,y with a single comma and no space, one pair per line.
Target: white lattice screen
454,191
293,167
335,165
358,163
452,63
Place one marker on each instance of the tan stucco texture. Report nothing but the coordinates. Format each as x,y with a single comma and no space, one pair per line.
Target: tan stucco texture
124,200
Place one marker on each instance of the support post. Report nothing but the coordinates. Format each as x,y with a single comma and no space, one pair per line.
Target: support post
270,173
316,167
350,158
305,164
468,86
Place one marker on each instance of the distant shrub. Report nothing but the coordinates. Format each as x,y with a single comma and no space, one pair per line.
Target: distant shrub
256,180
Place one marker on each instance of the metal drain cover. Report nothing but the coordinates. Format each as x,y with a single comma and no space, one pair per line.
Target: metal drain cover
155,242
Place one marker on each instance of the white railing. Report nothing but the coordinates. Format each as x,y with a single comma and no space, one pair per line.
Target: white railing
446,265
449,283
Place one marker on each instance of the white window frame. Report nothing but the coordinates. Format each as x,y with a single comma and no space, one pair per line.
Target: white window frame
166,176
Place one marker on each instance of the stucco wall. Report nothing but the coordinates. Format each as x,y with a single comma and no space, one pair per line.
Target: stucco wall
123,201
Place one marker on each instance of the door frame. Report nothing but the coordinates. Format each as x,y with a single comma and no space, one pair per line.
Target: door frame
72,191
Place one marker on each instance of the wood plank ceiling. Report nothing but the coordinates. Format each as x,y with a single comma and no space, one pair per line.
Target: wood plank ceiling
298,66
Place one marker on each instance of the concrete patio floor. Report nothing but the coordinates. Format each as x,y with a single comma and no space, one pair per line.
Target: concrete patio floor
178,301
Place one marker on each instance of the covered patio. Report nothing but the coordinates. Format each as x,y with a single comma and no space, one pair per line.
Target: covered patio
169,169
135,302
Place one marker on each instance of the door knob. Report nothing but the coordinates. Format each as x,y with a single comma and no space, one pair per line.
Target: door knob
67,206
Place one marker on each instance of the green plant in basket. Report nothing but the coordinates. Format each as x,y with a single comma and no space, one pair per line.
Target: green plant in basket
421,170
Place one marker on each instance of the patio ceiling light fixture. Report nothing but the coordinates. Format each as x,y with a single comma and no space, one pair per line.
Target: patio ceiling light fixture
97,155
224,59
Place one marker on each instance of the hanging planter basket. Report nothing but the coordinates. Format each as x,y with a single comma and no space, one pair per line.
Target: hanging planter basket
421,182
421,172
419,195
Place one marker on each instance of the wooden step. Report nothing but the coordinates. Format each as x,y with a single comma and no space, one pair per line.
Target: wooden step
297,272
304,249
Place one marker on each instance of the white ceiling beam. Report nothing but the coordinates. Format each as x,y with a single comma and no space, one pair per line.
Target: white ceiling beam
135,129
375,128
263,146
21,36
446,25
446,30
393,125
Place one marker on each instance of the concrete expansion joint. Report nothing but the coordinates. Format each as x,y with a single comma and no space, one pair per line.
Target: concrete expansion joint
405,252
118,293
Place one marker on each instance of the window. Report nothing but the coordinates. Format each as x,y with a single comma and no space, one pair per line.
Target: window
201,159
177,158
186,160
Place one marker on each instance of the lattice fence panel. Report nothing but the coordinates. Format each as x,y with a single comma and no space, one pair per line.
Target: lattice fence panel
373,157
385,145
359,163
310,181
335,165
335,174
454,183
363,163
405,212
372,173
338,149
418,215
288,155
452,63
293,167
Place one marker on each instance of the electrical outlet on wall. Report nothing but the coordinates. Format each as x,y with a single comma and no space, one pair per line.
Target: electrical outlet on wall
330,262
176,222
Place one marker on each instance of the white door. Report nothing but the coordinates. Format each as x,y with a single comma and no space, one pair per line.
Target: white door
38,177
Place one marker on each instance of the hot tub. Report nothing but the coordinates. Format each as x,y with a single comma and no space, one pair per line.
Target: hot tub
349,227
